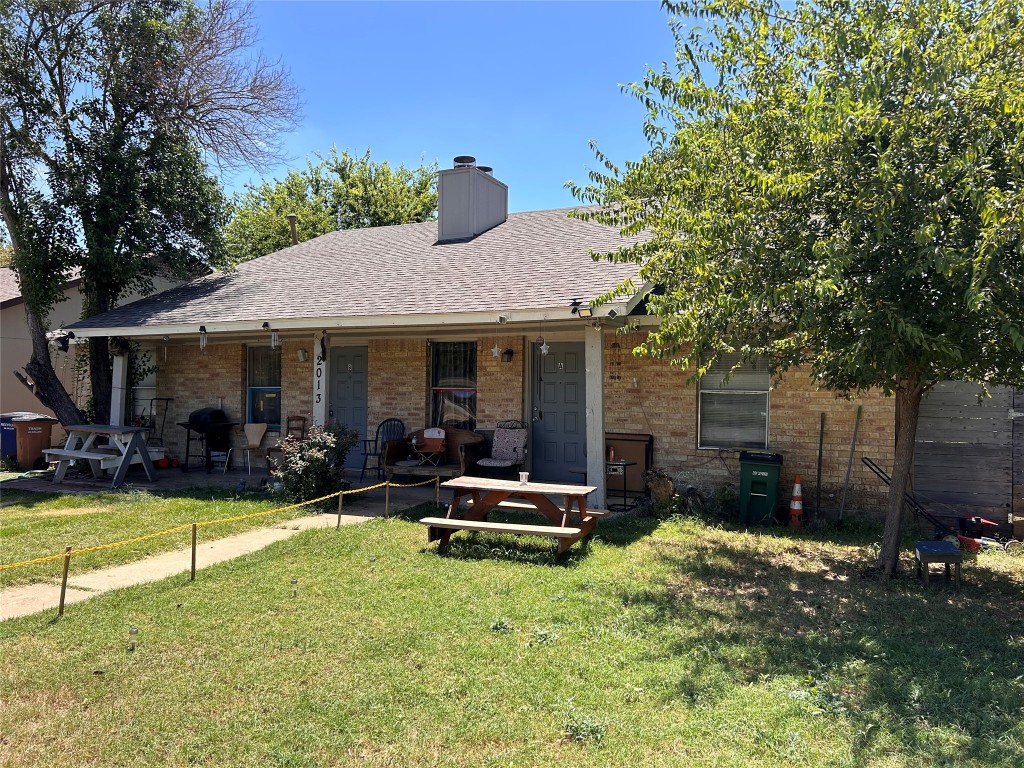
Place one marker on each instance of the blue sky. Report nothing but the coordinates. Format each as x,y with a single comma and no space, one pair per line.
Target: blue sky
522,86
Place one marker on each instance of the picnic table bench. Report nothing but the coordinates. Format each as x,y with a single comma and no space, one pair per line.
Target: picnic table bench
488,494
127,446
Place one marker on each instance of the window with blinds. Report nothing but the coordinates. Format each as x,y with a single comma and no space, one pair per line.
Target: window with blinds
263,394
453,384
734,414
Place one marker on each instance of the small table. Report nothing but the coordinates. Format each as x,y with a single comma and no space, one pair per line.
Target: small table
945,552
618,467
127,446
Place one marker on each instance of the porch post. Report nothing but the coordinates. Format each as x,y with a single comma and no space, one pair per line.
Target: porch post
594,363
119,390
321,379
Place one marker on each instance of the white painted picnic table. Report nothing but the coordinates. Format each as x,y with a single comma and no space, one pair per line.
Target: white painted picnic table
126,446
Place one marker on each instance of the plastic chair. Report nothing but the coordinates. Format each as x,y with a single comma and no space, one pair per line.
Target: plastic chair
253,437
387,430
508,448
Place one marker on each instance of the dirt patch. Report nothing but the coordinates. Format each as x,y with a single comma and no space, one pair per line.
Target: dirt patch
67,512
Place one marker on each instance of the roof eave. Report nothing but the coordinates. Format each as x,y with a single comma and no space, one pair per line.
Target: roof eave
339,322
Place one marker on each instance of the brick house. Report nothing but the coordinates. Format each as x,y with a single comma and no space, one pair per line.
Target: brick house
469,321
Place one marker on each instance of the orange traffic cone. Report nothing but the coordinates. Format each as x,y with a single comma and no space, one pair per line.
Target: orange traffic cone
796,506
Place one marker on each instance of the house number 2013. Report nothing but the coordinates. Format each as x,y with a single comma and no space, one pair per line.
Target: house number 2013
319,377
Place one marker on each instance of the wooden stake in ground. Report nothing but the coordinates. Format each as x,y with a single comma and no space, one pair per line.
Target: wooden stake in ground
817,482
64,581
194,529
341,497
849,464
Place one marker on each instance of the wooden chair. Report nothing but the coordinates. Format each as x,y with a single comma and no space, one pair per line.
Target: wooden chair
295,426
389,429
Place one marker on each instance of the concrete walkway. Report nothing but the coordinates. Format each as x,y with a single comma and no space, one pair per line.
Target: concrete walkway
32,598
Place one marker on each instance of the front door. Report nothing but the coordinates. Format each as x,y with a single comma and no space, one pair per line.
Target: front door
348,395
559,414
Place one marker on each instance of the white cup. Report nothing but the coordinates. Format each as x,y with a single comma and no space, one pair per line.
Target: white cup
524,478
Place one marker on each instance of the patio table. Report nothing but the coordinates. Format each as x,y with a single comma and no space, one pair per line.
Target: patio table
126,446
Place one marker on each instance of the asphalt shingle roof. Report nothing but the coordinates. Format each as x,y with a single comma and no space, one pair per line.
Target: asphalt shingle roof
9,289
534,259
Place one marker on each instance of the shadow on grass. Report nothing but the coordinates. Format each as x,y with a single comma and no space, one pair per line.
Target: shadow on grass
938,671
534,550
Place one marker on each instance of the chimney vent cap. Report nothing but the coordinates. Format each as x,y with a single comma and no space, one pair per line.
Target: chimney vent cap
485,169
464,161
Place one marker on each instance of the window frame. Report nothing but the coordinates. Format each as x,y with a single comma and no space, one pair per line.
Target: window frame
251,390
436,389
752,393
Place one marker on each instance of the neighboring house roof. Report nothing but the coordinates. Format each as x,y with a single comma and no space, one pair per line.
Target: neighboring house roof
10,292
532,260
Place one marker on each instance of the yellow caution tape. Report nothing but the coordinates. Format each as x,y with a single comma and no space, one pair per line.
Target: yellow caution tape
136,540
5,566
204,524
413,485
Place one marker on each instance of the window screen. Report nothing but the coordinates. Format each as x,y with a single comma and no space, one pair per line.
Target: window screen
263,400
453,384
734,414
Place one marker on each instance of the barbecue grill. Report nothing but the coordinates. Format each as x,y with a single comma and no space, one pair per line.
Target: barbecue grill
211,429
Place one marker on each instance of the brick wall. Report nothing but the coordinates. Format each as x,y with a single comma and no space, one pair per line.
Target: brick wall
398,382
653,397
499,385
195,380
297,380
641,395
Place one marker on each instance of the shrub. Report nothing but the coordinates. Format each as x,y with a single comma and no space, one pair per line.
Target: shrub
312,467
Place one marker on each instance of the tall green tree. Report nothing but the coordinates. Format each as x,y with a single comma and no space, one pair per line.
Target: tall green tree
339,191
110,111
838,185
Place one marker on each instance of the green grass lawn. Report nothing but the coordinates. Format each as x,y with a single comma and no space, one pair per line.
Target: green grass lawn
657,645
37,524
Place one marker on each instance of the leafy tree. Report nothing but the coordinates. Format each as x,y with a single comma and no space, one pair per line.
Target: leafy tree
339,191
109,113
837,186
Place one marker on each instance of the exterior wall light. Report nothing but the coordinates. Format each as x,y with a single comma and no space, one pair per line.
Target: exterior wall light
202,339
580,309
506,356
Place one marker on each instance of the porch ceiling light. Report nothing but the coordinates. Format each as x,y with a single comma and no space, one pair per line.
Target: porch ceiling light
274,338
582,310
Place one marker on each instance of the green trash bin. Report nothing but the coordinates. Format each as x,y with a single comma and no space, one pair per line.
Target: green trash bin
759,487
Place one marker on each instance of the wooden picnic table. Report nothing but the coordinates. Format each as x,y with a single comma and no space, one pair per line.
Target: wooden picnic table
126,446
487,494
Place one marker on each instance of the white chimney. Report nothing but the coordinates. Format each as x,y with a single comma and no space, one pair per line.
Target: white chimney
469,200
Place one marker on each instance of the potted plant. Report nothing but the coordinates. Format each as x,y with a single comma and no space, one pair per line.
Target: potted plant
659,483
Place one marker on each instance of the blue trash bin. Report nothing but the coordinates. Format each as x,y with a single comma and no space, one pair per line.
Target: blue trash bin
8,437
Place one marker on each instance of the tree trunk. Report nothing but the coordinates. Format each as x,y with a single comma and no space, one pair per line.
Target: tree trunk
908,407
47,385
100,377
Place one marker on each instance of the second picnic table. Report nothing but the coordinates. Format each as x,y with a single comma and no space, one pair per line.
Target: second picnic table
126,446
569,522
